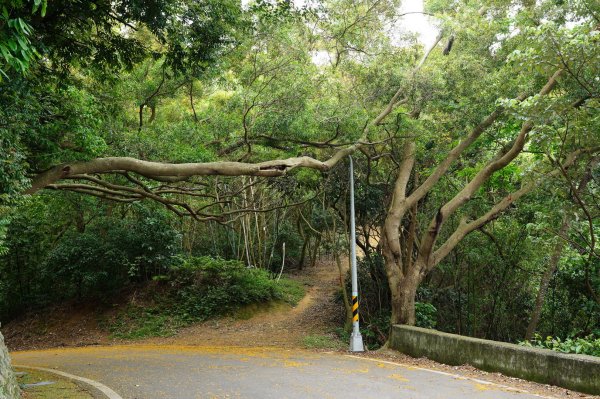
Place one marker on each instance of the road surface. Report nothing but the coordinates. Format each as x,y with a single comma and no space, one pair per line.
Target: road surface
190,372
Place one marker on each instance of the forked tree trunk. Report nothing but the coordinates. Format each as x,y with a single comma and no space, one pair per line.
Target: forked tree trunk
403,292
9,389
404,275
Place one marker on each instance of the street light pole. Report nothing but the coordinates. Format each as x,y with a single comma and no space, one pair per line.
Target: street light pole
356,341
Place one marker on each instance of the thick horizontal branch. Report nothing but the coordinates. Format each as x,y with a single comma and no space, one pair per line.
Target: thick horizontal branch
157,170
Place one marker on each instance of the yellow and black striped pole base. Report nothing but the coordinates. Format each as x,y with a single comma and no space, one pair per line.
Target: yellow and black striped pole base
354,309
356,342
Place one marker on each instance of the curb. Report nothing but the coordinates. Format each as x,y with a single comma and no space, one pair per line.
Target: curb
109,393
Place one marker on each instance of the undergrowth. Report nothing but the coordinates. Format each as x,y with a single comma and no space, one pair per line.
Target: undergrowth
198,289
589,345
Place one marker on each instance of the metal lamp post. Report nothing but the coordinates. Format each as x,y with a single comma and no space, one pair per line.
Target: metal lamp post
356,341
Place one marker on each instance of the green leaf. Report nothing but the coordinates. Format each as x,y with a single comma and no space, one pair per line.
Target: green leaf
23,42
12,44
5,53
22,25
36,5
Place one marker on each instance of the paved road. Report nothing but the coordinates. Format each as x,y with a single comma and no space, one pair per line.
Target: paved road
184,372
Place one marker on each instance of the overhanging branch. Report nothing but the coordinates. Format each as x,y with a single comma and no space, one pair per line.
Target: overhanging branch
159,171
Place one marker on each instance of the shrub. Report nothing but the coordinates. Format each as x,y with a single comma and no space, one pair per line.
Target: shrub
109,254
589,345
199,288
426,315
205,287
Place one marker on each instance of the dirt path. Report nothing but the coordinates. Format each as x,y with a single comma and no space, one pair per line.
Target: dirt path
277,324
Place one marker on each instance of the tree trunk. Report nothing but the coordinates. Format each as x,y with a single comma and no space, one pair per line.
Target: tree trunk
545,282
152,113
315,250
9,389
403,299
403,285
303,253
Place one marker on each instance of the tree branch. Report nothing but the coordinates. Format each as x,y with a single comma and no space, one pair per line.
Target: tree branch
503,158
467,227
455,153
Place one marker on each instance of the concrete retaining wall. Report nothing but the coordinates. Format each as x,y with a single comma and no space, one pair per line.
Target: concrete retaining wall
577,372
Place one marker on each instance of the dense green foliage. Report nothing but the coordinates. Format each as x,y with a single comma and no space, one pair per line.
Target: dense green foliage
88,254
589,345
182,81
207,287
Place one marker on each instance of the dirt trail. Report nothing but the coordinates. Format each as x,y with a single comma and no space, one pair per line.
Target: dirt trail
277,324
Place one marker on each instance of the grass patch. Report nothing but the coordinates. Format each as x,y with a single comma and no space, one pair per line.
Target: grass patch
61,389
200,289
317,341
291,291
137,322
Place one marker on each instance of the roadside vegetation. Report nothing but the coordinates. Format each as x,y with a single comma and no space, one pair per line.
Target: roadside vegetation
327,342
589,345
198,289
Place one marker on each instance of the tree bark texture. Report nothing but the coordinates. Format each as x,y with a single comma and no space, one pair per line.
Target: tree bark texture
9,389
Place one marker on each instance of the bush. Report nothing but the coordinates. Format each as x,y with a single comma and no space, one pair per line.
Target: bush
108,255
426,315
85,252
199,288
205,287
589,345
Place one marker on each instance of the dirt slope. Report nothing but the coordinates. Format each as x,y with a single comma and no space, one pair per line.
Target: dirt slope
275,324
